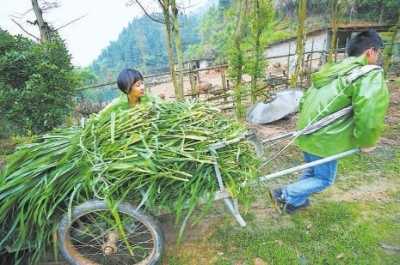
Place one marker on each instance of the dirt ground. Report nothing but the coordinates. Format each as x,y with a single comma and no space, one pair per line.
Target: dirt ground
212,77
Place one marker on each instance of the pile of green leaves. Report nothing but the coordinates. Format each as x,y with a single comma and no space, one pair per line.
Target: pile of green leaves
158,152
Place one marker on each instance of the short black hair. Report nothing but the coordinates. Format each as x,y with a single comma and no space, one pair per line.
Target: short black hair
127,78
364,41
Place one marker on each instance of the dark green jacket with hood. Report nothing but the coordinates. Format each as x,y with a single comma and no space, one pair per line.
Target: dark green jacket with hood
331,92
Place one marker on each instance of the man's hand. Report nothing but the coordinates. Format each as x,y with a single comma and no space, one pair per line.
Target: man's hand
367,150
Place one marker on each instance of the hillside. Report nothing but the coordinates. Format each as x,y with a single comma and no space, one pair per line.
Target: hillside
141,44
206,30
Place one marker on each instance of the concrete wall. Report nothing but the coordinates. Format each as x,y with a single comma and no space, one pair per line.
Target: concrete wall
316,42
281,49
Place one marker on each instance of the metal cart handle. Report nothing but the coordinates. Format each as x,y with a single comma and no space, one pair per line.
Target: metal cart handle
343,113
308,165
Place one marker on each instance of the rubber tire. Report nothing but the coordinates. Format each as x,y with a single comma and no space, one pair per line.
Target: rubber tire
126,208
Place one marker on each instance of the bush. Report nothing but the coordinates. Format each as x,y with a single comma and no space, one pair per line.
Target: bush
37,85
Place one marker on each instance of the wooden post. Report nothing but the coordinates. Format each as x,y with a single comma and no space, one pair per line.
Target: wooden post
228,86
192,81
311,59
288,61
323,56
336,49
147,89
192,85
223,81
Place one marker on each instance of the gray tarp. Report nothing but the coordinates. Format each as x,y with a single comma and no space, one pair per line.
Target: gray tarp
284,103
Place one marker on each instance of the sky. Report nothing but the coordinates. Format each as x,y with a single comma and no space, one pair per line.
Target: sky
103,21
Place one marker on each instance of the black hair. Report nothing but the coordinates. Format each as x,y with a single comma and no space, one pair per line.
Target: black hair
127,78
364,41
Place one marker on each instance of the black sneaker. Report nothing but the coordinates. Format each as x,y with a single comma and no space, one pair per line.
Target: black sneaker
278,202
290,209
277,194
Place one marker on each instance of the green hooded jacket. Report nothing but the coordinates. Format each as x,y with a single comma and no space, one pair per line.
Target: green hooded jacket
331,92
121,103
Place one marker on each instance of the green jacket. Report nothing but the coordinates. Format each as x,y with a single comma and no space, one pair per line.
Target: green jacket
331,92
121,103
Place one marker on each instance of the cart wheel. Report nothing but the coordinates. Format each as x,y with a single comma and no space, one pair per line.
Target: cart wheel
91,236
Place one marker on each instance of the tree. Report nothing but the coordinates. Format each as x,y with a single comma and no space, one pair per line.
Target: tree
260,21
235,58
165,6
380,11
170,19
335,6
224,4
178,48
44,28
37,84
302,13
216,29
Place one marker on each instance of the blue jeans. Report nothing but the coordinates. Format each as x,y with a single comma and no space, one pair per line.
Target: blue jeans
313,180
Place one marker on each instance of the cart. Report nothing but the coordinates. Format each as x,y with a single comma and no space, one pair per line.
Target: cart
94,234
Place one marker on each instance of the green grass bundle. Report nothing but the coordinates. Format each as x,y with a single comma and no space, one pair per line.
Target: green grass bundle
158,150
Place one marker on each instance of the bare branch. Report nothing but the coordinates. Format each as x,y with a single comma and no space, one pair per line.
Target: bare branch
163,5
70,22
18,15
47,5
34,23
24,30
182,6
147,14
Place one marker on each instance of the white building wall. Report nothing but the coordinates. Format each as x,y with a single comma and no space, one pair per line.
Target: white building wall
316,42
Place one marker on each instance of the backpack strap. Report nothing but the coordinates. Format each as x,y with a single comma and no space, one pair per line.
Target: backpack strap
360,71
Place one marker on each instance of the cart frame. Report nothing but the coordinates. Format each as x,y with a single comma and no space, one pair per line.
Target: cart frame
232,203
